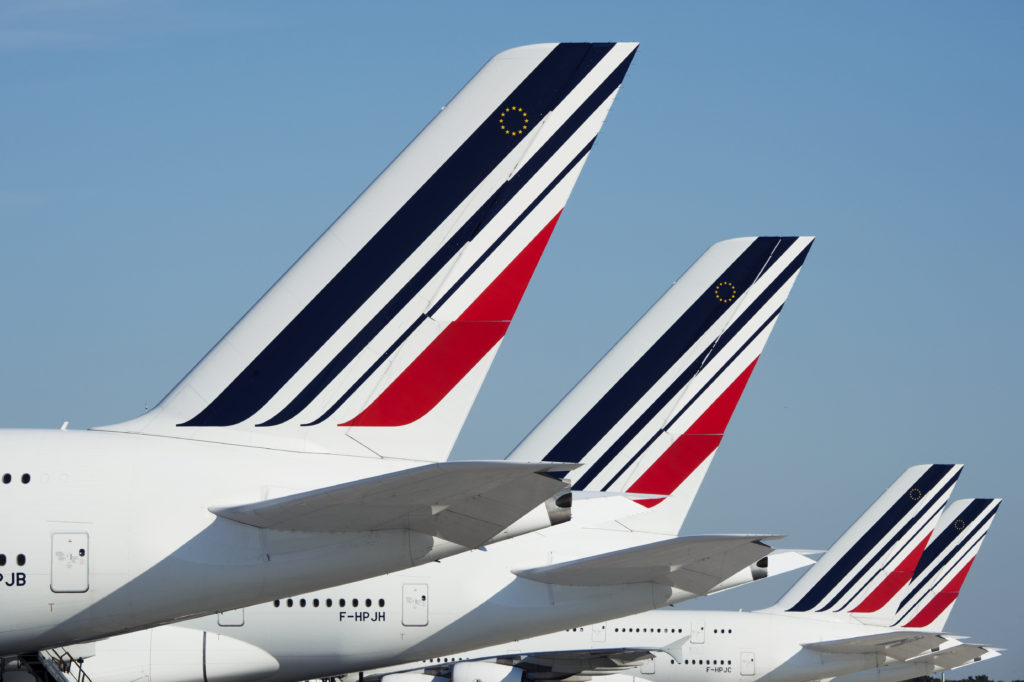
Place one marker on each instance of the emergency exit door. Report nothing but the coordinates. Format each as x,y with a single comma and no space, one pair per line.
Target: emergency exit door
69,562
415,604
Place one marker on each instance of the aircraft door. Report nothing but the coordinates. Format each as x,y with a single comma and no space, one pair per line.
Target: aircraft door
415,604
697,632
747,663
69,562
599,632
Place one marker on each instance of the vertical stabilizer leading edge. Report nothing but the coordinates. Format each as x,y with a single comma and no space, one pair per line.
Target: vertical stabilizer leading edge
648,418
377,339
945,563
865,573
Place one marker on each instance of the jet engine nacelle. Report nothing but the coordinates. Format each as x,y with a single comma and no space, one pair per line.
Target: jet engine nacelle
480,671
176,654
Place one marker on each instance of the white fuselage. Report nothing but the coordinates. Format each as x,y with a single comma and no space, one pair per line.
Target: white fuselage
111,532
468,601
719,646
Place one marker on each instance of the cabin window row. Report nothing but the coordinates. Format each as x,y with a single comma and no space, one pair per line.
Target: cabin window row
702,661
20,559
7,478
342,603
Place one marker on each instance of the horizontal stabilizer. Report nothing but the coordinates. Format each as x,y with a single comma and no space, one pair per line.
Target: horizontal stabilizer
464,502
959,655
902,646
695,564
776,563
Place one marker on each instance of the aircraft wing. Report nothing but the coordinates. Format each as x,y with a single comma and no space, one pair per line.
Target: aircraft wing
901,645
586,662
464,502
695,564
598,661
559,664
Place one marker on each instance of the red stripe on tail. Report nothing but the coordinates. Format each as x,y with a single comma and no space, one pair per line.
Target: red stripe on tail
941,601
459,347
693,447
892,582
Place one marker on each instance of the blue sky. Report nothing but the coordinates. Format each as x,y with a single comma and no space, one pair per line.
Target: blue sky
162,163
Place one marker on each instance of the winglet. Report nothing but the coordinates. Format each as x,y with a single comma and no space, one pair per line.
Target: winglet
675,649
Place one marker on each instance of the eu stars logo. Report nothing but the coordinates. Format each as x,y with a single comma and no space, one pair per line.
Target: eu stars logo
915,494
514,121
959,524
725,292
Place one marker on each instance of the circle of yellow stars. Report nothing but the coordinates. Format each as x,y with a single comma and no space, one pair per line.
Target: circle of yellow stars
959,524
915,494
725,292
508,118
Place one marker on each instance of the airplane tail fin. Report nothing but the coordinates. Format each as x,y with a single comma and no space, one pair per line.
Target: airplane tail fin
648,418
866,571
377,339
945,562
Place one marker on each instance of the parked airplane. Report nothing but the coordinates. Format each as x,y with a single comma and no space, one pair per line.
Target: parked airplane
937,581
664,395
304,449
859,613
